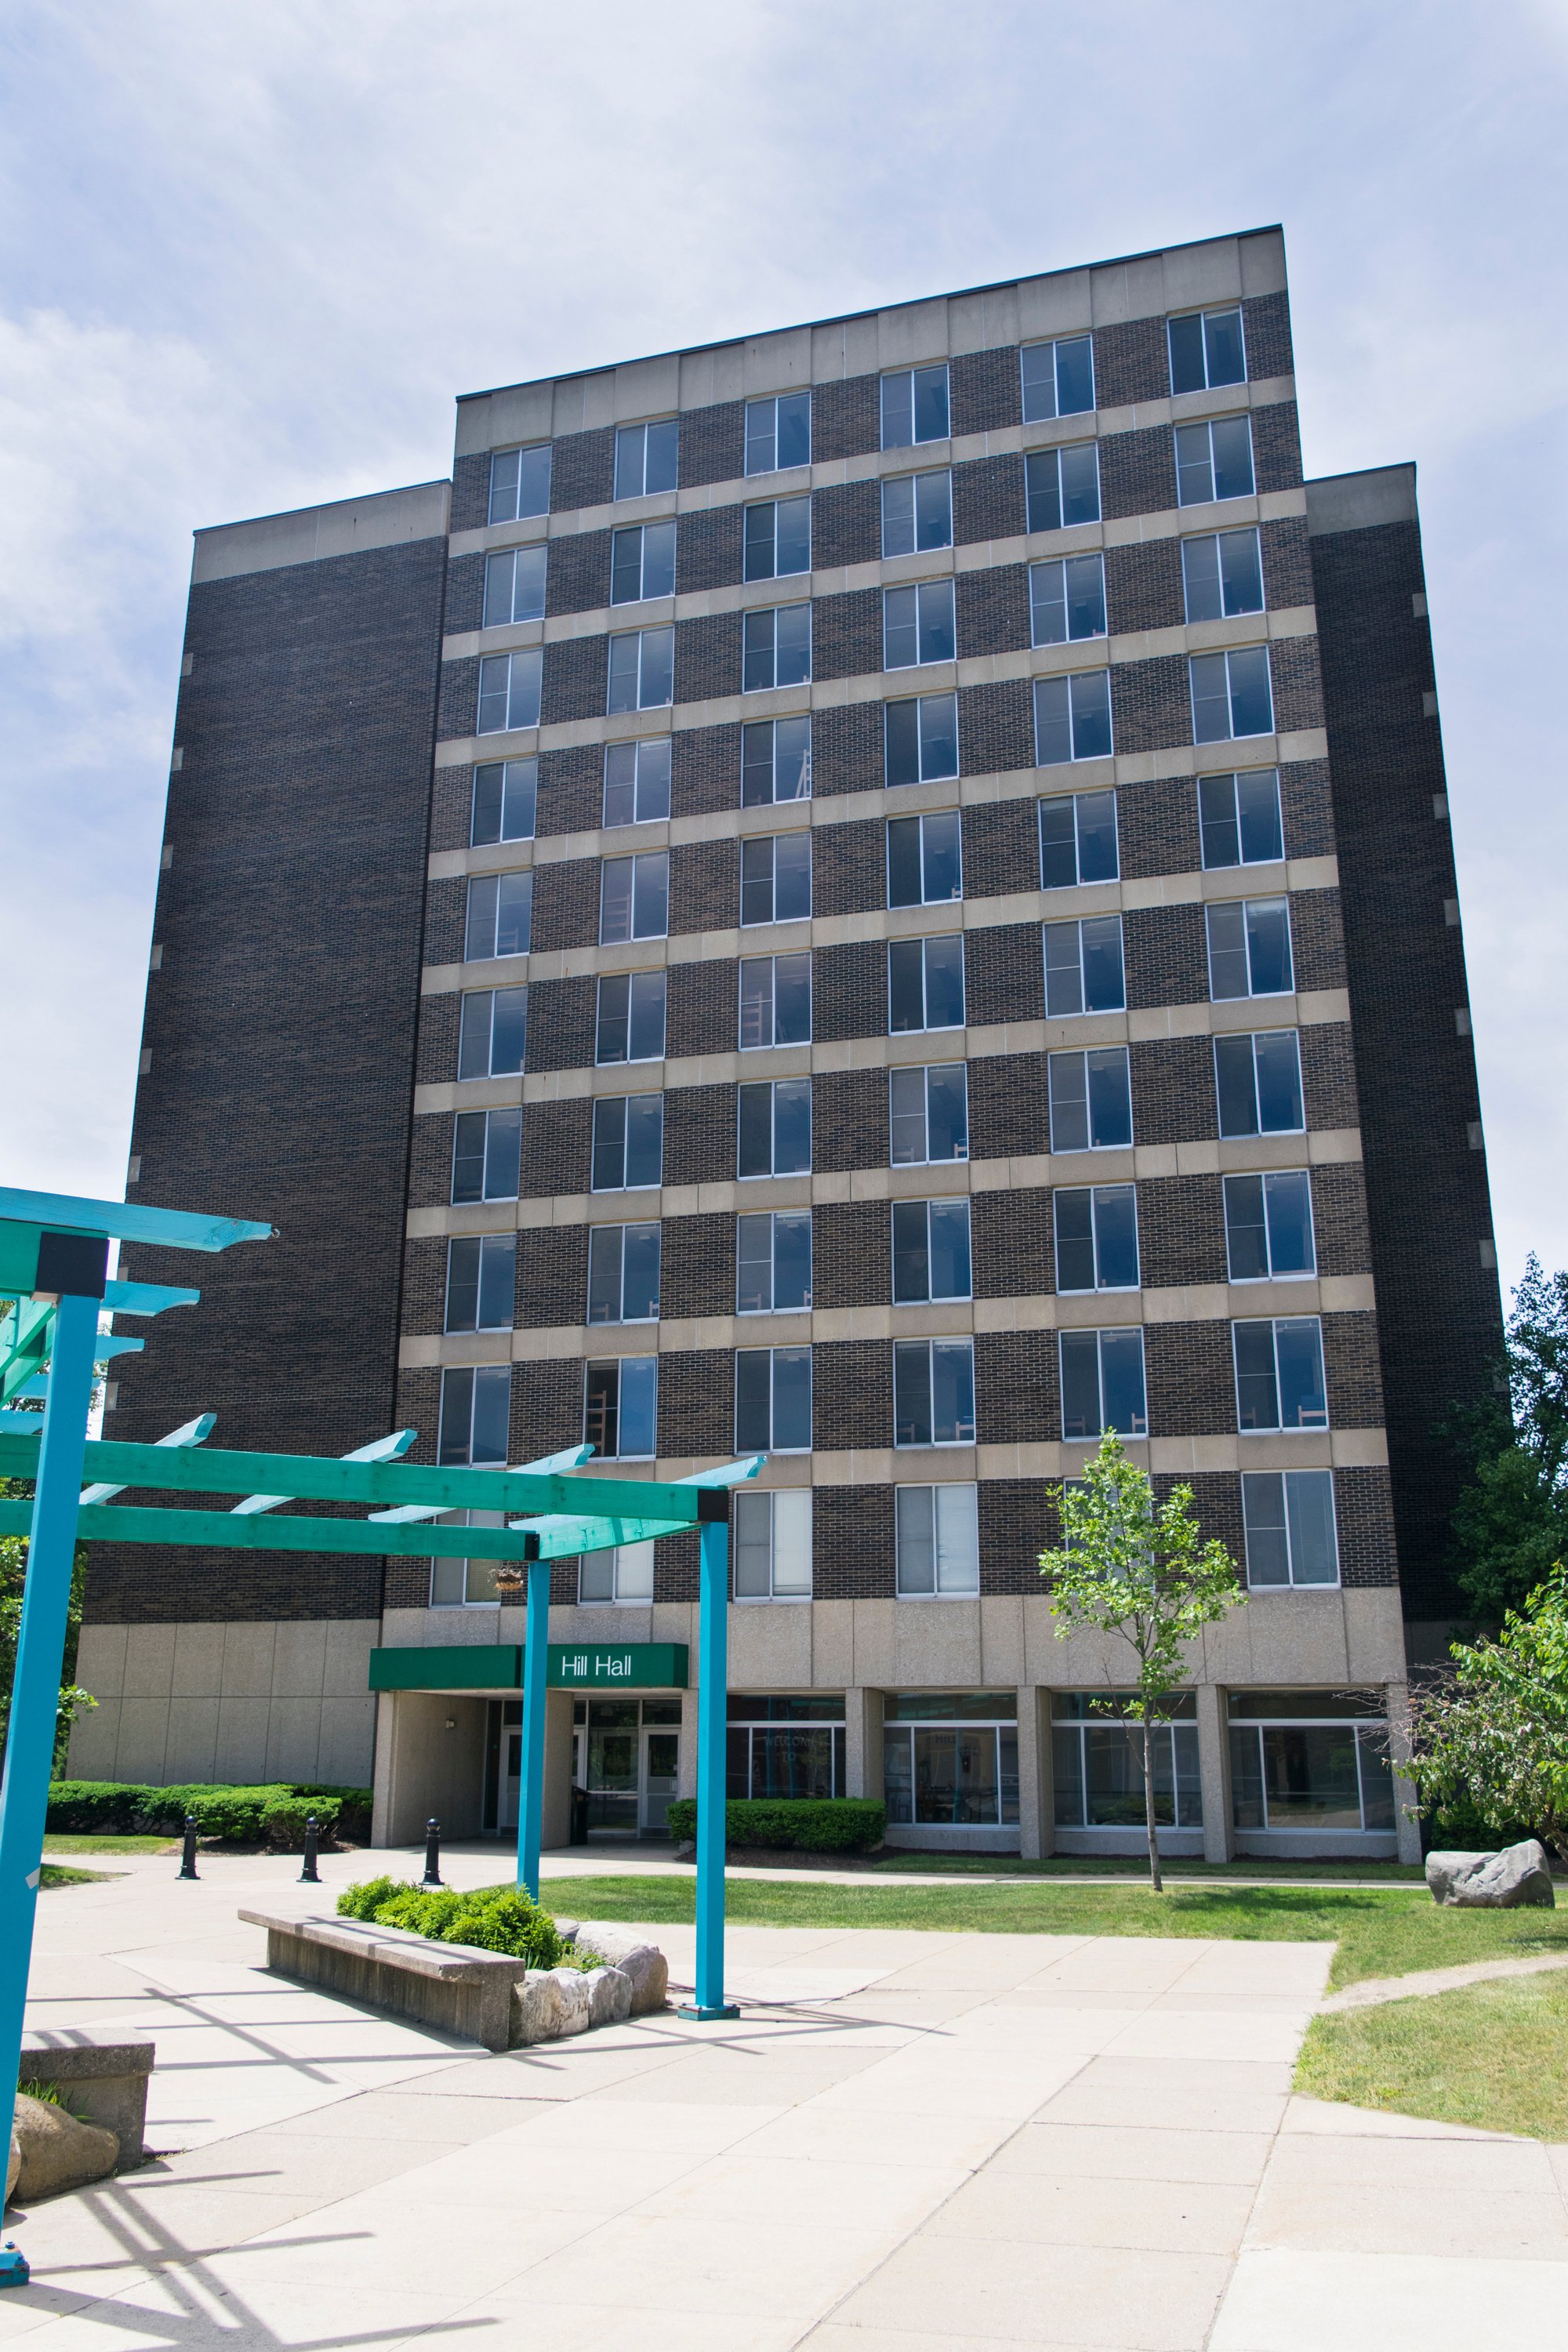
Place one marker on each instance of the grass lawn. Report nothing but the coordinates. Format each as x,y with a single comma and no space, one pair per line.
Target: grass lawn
1490,2054
54,1874
1136,1865
1380,1932
104,1841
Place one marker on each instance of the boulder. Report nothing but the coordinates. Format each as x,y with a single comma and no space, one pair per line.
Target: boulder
549,2004
1492,1882
56,2151
645,1964
609,1997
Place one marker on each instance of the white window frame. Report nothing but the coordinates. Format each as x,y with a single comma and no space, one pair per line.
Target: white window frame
513,1116
1279,1428
516,804
492,887
1076,802
1235,778
927,1027
1212,538
642,638
1252,1035
1101,1288
647,902
485,1025
654,753
931,1297
919,546
771,401
1083,522
756,506
512,685
1077,924
1291,1582
623,434
1205,425
1220,310
506,564
1230,657
630,1579
751,734
612,1241
770,995
644,594
921,703
942,591
1078,720
604,1364
1080,1054
917,439
754,1217
774,1445
920,820
752,842
493,1382
637,982
925,1071
489,1250
1039,413
500,507
761,623
1222,909
1057,565
785,1515
605,1102
954,1550
905,1351
772,1168
1267,1177
1112,1331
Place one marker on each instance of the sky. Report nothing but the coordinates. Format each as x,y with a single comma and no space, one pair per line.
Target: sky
249,256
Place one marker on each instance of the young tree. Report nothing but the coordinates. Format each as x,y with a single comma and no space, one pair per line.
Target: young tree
1510,1522
1141,1569
1494,1730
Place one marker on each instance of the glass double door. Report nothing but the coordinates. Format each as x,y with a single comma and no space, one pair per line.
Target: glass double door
627,1769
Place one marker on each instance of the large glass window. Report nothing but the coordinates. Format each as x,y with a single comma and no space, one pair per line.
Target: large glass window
1231,694
1310,1761
778,432
510,689
476,1406
1249,947
776,761
1289,1518
492,1033
481,1282
504,801
634,898
777,538
773,1545
1061,487
623,1273
622,1575
1214,461
1279,1374
647,457
1102,1383
515,586
464,1583
788,1745
1077,840
1096,1759
776,879
1067,599
925,984
642,562
933,1393
917,513
774,1128
1221,574
937,1533
628,1142
487,1155
520,483
928,1113
637,781
773,1401
1058,378
921,739
1238,818
925,859
914,407
1206,351
931,1251
1257,1083
500,916
629,1026
775,648
620,1404
917,625
1073,718
642,670
1083,966
772,1261
1096,1237
1091,1099
775,999
949,1758
1268,1226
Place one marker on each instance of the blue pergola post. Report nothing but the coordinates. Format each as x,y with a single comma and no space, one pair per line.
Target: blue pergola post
713,1682
531,1783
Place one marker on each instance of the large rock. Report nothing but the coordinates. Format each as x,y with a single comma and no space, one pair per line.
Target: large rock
609,1997
56,2151
549,2004
1492,1882
645,1964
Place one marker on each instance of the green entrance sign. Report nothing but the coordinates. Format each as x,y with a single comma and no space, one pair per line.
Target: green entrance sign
498,1666
616,1665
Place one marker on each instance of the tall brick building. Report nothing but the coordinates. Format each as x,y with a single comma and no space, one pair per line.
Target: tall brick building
878,894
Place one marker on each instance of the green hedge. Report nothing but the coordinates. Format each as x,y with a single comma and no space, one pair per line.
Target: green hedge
273,1815
809,1824
496,1918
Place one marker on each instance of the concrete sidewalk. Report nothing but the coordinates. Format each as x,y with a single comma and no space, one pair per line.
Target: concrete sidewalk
909,2141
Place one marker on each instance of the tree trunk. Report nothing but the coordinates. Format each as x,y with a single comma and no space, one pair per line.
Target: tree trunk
1156,1883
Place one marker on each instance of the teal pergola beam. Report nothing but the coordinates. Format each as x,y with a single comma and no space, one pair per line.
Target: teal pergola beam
380,1449
190,1432
572,1459
127,1221
127,1523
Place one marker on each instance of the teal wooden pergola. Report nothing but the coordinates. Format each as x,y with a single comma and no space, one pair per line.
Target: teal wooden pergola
54,1255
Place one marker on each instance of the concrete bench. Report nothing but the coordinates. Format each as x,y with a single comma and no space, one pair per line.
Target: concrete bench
103,2082
455,1988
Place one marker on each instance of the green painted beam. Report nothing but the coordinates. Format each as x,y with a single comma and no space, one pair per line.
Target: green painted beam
127,1523
23,1345
127,1221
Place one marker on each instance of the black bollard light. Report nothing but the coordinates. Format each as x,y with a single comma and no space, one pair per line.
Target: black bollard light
188,1856
432,1855
310,1875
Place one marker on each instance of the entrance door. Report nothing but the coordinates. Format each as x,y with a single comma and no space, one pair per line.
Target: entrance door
614,1757
511,1778
662,1755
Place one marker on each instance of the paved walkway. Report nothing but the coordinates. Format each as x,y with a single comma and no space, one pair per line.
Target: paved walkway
909,2143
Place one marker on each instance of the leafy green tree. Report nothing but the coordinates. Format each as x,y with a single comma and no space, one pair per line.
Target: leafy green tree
1511,1523
13,1576
1492,1733
1141,1569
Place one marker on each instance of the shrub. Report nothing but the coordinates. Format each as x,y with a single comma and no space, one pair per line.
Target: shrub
808,1825
275,1812
496,1918
283,1820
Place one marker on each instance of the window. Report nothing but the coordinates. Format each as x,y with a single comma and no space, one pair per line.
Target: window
1214,461
1257,1083
1058,378
464,1583
487,1155
775,999
642,562
773,1546
1061,487
921,739
1289,1519
520,483
1077,840
775,648
773,1401
937,1541
1268,1226
634,898
481,1282
928,1113
620,1408
1083,966
930,1251
917,625
925,984
630,1022
1097,1757
1231,694
776,879
508,690
1206,351
775,1128
624,1574
642,670
492,1033
503,803
1222,575
1102,1383
622,1274
776,761
1310,1761
646,458
790,1745
777,538
514,586
1097,1238
1249,947
1067,599
950,1760
773,1262
637,781
1279,1374
917,513
628,1142
914,407
1073,718
476,1411
933,1393
500,916
1091,1100
925,860
1238,819
778,433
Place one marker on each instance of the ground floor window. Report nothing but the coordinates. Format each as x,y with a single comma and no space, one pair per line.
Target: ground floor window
949,1758
789,1744
1309,1761
1097,1760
